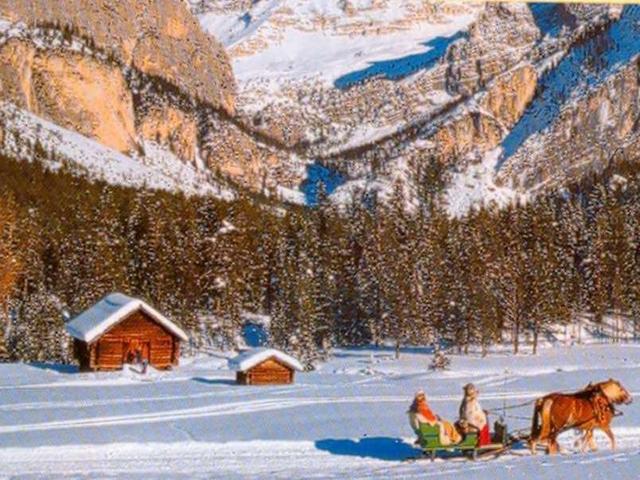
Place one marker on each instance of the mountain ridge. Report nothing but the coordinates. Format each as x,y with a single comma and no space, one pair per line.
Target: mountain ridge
401,87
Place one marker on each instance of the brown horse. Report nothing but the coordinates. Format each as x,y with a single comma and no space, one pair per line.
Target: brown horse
586,410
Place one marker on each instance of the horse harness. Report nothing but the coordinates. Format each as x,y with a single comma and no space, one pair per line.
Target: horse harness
601,405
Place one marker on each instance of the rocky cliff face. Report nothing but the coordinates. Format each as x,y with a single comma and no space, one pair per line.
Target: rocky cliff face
483,128
157,37
121,73
501,37
76,92
585,136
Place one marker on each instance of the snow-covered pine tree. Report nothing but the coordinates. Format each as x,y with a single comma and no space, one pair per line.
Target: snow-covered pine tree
233,259
597,261
333,271
10,264
510,273
283,313
483,305
369,277
351,324
396,277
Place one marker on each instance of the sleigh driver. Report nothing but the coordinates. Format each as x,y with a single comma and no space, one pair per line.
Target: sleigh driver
472,416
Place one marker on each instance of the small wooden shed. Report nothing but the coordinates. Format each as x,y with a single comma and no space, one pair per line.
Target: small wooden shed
265,366
120,329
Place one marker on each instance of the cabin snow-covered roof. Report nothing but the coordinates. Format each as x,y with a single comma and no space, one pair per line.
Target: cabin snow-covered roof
113,308
249,359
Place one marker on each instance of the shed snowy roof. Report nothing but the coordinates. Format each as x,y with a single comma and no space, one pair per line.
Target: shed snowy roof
249,359
113,308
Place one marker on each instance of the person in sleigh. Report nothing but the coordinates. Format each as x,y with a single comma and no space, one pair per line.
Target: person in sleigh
472,416
420,413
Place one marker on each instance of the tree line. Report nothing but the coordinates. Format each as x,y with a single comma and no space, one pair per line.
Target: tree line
361,273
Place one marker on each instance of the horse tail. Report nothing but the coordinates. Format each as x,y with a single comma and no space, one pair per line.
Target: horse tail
545,417
541,421
535,421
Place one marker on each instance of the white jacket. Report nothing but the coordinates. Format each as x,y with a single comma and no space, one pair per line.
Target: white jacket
471,411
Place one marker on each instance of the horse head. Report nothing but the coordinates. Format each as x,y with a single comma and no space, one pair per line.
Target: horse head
615,392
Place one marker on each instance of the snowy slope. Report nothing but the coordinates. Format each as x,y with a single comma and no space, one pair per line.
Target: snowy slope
583,69
281,40
476,185
156,169
345,420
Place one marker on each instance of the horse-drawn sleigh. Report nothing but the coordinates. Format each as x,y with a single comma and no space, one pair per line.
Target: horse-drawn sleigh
588,409
429,437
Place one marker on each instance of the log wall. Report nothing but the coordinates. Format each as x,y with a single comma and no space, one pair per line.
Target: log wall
269,372
118,345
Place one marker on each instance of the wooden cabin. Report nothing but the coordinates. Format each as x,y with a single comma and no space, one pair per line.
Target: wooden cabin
265,366
119,330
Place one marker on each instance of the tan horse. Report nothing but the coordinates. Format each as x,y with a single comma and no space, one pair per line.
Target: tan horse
586,410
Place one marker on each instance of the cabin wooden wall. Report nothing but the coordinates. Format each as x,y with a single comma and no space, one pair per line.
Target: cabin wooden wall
269,372
159,346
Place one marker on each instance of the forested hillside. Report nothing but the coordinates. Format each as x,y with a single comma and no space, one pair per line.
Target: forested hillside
327,276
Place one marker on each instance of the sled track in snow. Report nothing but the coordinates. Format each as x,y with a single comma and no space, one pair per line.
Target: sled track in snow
237,408
217,393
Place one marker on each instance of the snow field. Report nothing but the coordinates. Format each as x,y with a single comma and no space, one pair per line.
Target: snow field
347,419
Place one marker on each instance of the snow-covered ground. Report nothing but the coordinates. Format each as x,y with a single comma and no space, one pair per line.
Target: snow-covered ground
298,39
476,186
345,420
158,168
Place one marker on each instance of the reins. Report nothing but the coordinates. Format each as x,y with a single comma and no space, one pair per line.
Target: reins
610,405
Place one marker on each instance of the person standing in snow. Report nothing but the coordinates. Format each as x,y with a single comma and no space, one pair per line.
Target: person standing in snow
472,416
145,364
420,412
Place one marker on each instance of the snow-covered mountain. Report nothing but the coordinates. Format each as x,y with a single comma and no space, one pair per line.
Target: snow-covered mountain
504,100
374,89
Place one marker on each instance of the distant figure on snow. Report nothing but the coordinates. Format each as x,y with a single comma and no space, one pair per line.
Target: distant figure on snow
145,364
472,416
420,412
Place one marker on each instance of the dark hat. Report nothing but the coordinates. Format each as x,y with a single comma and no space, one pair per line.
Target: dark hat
470,387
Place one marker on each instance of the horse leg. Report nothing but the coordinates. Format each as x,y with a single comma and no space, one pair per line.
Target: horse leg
592,442
534,439
588,441
552,444
533,444
535,436
609,433
583,441
544,427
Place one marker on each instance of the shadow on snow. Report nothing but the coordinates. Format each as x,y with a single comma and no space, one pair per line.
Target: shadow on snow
255,335
365,351
214,381
55,367
398,68
317,174
381,448
585,67
550,18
